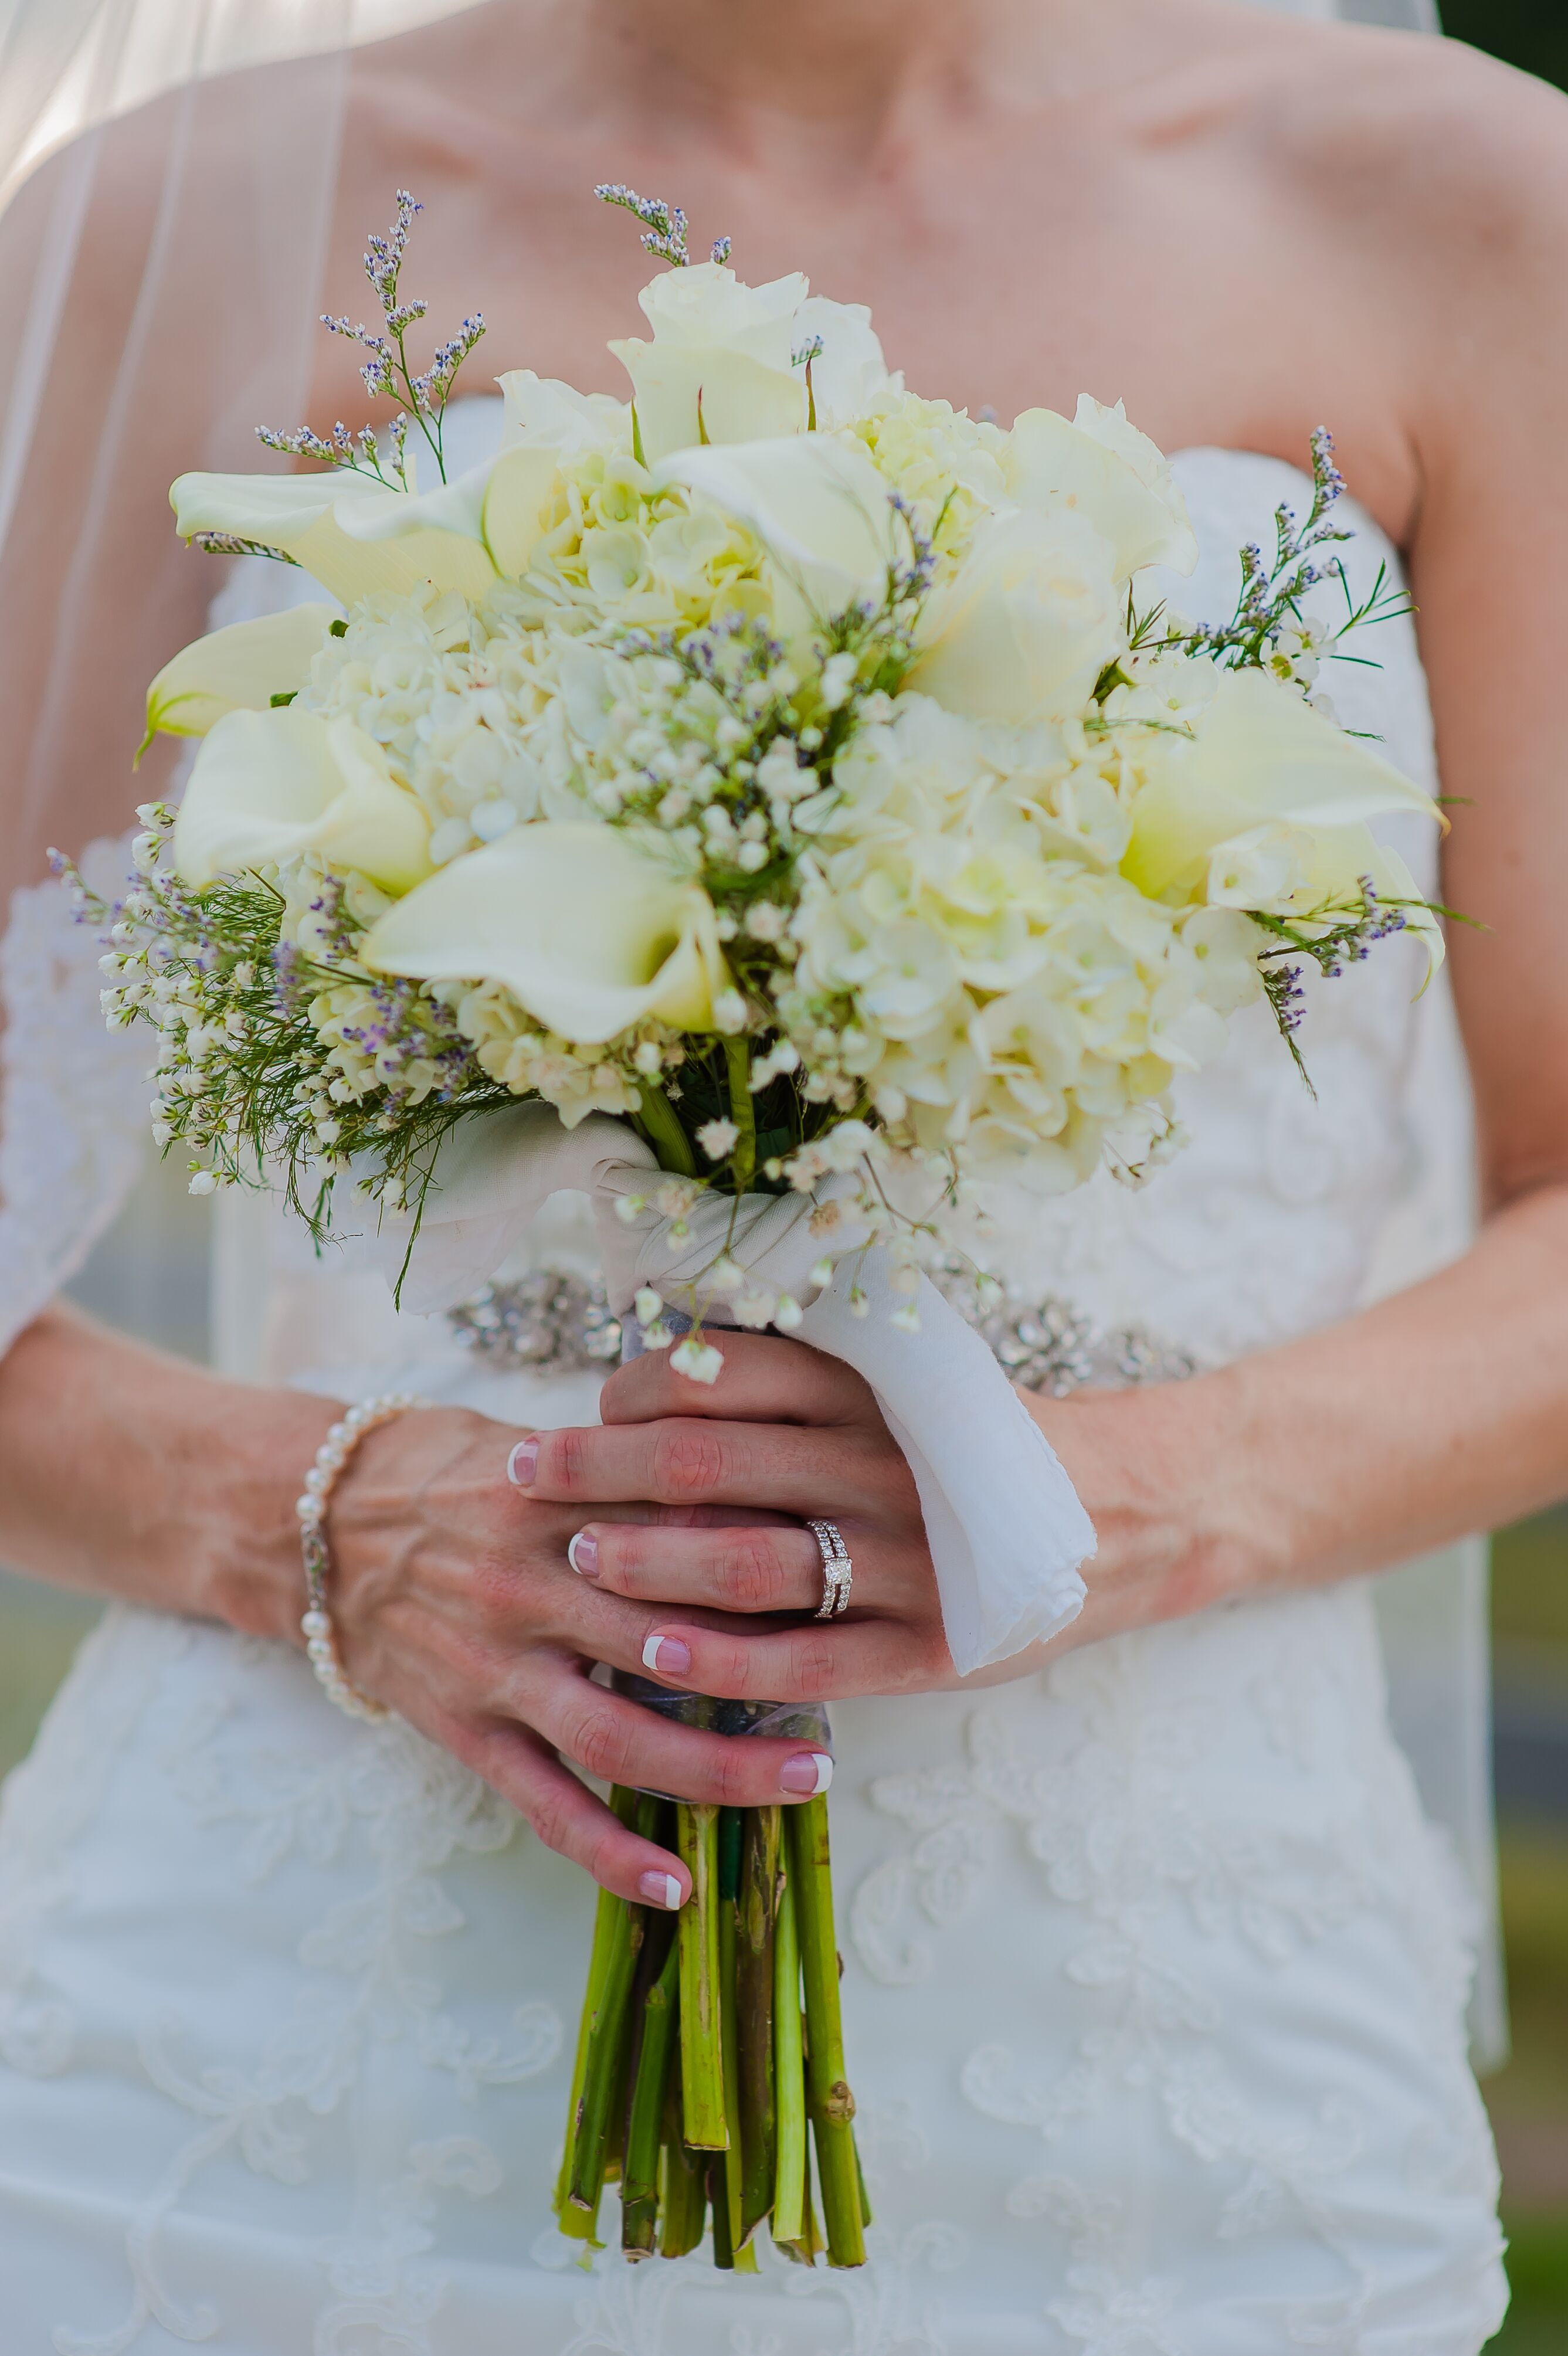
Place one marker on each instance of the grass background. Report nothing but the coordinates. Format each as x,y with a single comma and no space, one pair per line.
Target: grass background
150,1278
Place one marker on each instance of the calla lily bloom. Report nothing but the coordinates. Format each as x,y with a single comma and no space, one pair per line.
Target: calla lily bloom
498,508
267,786
240,668
1260,755
1267,808
587,932
307,516
818,507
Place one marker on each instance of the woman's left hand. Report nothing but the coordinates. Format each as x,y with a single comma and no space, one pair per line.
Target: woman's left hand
785,1432
786,1435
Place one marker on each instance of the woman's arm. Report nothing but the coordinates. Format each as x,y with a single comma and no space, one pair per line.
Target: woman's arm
135,1475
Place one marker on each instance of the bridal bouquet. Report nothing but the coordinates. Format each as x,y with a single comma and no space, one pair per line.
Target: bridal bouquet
777,804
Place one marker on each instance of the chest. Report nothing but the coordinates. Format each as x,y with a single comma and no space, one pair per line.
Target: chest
1009,265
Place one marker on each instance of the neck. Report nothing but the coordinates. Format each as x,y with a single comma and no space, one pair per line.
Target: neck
828,79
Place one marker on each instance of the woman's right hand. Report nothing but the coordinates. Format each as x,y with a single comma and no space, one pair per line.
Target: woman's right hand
454,1604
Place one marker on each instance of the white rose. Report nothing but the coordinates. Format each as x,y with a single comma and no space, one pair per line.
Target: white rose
589,934
1105,471
718,368
269,785
850,372
544,413
1027,627
818,507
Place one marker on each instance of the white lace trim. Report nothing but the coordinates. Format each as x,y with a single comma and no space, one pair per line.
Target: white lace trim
73,1095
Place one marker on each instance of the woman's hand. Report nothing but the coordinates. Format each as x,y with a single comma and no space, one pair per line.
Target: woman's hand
453,1604
790,1431
785,1430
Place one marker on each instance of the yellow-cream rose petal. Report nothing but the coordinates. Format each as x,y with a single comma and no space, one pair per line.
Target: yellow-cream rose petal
589,934
818,507
267,786
1103,469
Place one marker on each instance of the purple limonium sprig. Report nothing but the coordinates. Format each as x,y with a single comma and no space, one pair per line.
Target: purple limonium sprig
665,227
388,372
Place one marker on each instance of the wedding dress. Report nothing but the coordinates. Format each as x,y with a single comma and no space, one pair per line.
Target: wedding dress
1155,1970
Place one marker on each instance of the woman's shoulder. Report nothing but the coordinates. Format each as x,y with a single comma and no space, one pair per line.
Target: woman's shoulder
1409,146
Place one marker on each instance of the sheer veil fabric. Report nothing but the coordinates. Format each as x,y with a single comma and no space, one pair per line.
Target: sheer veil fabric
167,172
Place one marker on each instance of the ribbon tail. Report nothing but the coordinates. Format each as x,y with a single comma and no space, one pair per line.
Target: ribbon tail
1006,1530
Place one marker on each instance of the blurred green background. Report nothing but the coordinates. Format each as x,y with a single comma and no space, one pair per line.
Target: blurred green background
1529,2100
150,1276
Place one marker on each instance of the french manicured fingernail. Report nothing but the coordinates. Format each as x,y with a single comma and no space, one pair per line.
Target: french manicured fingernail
662,1889
523,1462
808,1772
668,1655
583,1554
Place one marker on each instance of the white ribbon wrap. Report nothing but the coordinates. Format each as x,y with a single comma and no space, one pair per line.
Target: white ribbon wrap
1006,1530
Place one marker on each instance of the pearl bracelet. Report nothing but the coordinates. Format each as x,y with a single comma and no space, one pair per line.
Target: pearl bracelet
320,1639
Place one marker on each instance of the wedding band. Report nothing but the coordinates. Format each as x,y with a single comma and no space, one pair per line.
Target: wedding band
838,1571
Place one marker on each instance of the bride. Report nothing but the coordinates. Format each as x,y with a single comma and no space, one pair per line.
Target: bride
1156,1966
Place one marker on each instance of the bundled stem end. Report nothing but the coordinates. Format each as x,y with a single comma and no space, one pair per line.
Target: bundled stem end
711,2056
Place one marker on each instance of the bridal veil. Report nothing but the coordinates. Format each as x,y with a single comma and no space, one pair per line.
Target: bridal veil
168,170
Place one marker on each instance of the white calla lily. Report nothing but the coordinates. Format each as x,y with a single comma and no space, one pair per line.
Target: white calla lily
589,934
1026,630
497,508
818,507
308,516
1103,469
1260,757
240,668
268,785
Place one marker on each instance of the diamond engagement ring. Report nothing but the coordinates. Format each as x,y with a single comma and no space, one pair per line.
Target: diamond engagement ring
838,1571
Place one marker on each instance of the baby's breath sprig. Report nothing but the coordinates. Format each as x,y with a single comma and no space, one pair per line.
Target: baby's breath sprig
388,374
272,1056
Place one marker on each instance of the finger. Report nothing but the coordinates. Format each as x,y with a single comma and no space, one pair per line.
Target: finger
823,1661
568,1817
616,1741
765,1378
841,1473
748,1569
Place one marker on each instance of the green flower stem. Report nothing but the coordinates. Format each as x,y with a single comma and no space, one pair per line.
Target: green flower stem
742,1111
702,2059
665,1134
578,2223
605,2075
640,2180
682,2192
788,2080
734,2156
754,2012
832,2104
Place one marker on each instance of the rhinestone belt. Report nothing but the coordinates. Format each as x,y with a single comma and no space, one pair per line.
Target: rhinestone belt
551,1319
